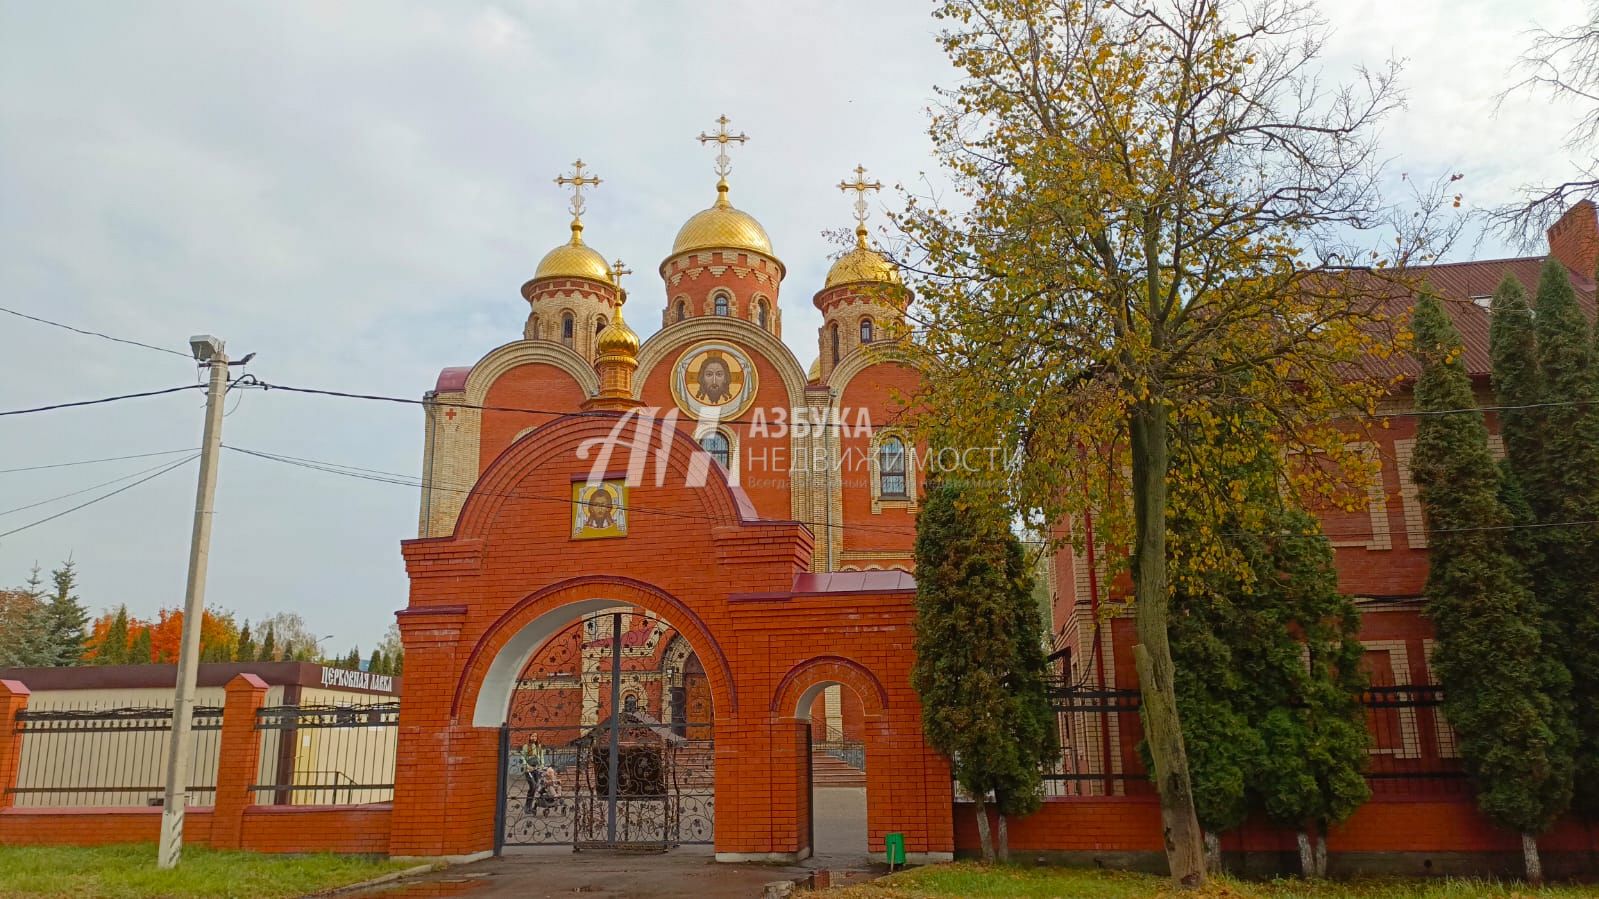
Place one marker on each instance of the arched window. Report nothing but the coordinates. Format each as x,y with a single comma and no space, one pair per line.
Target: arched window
717,444
599,325
721,303
568,329
832,333
682,310
760,313
891,467
866,330
533,326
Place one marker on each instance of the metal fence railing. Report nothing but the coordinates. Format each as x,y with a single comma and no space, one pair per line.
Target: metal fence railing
108,756
327,754
1412,745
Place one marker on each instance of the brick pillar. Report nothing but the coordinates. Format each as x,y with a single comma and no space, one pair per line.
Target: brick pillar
13,699
425,760
238,760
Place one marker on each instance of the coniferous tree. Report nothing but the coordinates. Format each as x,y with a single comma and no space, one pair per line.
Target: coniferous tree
1268,660
25,625
67,618
1564,495
245,651
375,663
1513,736
1316,739
269,646
979,666
141,651
113,648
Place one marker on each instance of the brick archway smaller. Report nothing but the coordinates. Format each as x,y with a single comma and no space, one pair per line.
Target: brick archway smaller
488,679
805,681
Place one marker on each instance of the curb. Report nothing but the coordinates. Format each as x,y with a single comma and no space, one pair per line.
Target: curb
379,881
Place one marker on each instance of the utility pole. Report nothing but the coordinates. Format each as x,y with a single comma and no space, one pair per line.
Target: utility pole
208,351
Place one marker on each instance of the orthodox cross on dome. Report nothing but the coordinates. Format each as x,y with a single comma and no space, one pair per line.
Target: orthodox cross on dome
577,180
722,138
617,271
860,185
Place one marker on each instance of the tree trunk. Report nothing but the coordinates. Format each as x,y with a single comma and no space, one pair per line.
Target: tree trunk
1307,856
1212,852
1529,854
1004,840
1321,852
1185,850
982,828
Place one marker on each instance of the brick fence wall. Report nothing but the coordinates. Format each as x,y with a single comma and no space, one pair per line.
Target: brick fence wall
231,823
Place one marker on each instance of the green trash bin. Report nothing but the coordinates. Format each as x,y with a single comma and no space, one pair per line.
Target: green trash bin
894,849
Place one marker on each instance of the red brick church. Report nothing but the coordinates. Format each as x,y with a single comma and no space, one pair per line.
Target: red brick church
666,541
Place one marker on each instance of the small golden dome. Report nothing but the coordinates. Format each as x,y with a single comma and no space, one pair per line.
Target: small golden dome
862,264
722,227
815,374
617,339
574,260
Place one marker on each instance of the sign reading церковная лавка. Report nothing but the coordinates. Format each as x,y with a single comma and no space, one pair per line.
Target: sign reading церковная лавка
357,680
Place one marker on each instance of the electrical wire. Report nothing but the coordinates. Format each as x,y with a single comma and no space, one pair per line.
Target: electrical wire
46,502
46,321
402,480
455,404
389,477
150,477
96,461
108,399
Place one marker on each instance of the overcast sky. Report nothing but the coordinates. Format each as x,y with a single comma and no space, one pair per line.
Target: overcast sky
356,191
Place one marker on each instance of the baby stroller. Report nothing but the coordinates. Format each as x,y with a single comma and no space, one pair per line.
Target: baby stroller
543,790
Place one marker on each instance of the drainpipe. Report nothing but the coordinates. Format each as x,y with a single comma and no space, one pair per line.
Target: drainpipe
1099,652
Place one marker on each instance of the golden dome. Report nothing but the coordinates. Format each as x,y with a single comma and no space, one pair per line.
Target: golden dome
862,264
722,228
617,339
815,374
574,260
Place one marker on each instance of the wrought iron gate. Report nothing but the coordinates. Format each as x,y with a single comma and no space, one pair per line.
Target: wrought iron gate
584,763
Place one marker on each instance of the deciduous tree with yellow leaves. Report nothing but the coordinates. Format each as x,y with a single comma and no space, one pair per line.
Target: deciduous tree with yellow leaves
1153,243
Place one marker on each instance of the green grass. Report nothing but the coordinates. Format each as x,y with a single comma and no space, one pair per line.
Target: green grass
977,881
129,872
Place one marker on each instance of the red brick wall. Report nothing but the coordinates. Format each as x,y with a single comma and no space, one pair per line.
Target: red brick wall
882,390
1132,824
534,386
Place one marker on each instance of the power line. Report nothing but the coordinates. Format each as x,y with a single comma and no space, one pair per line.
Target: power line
108,399
402,480
46,502
95,461
483,407
150,477
46,321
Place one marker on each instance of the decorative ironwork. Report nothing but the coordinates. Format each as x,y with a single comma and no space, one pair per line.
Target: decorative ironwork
573,773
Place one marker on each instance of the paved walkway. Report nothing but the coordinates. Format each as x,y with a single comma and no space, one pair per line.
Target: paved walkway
689,871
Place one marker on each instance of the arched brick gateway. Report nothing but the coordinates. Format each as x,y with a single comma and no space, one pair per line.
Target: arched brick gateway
739,589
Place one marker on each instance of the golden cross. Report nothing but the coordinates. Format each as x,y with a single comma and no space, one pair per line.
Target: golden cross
723,138
578,180
618,270
860,185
